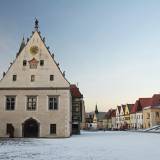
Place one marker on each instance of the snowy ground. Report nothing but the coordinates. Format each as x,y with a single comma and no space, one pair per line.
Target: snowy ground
87,146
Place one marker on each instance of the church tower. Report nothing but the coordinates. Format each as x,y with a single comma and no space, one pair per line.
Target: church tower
35,98
96,109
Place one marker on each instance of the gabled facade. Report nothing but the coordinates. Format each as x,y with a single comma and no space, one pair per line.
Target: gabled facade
127,121
122,111
151,113
133,119
151,116
35,99
142,103
118,110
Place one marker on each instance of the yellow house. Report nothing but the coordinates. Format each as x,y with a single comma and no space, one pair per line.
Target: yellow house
151,116
127,122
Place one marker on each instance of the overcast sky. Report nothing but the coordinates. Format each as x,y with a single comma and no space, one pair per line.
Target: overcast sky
110,48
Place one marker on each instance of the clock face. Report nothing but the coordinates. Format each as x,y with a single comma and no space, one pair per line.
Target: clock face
34,50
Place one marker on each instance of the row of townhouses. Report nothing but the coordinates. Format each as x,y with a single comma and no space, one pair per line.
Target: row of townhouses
144,113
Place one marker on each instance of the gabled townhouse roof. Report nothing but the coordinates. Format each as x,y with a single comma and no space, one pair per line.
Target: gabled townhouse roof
130,107
75,91
119,109
143,102
113,114
155,100
123,107
134,107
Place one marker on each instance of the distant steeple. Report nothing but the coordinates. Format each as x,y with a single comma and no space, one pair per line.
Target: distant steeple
21,46
36,24
96,109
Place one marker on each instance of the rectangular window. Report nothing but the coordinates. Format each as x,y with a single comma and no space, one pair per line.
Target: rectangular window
51,77
14,77
32,78
157,114
41,62
52,103
31,103
10,102
52,128
24,62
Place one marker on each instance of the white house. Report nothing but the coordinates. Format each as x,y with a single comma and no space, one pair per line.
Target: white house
118,109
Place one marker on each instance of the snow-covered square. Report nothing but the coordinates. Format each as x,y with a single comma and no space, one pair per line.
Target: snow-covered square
116,145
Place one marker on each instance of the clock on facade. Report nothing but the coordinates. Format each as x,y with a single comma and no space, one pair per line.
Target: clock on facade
34,50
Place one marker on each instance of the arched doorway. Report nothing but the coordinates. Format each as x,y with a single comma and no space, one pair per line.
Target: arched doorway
31,128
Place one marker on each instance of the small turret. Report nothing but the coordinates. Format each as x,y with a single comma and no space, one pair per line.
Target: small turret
96,109
36,24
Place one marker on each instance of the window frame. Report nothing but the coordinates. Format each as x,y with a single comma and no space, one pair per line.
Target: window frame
14,77
51,77
53,107
10,108
53,128
41,62
33,77
28,102
24,63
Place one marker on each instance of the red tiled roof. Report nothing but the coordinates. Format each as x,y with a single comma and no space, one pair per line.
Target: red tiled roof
134,107
156,99
123,106
113,114
75,91
145,102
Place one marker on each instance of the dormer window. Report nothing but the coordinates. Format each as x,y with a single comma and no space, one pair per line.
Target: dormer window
24,62
41,62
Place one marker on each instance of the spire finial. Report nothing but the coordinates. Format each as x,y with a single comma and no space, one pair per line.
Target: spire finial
36,24
96,109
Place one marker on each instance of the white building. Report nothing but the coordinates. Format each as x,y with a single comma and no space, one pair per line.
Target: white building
118,109
121,118
35,98
139,120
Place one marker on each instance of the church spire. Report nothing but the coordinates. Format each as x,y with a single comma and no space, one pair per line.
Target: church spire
96,109
36,24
